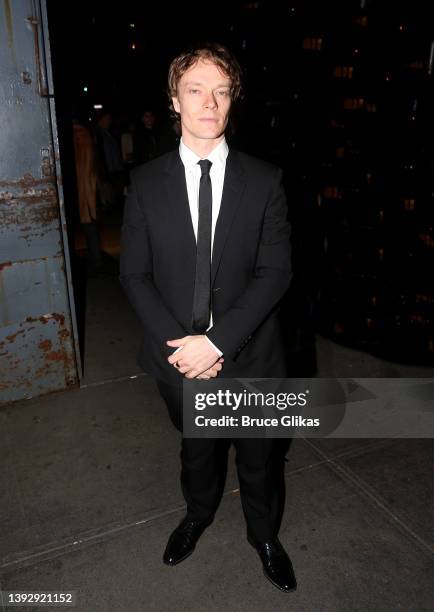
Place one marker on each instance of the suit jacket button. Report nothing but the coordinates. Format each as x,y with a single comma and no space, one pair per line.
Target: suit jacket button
216,289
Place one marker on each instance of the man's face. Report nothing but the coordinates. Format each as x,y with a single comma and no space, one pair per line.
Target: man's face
148,119
105,121
203,101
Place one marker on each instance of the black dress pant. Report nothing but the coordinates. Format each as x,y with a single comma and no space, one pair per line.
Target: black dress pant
203,474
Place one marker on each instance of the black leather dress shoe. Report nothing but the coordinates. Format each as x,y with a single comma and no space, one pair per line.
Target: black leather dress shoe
183,540
276,564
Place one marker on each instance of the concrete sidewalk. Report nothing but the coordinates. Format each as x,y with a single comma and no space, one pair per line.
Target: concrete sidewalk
90,494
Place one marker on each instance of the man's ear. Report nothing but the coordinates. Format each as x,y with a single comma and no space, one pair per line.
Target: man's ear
175,103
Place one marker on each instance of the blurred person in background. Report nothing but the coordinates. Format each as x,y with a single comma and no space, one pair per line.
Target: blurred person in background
145,146
86,174
110,167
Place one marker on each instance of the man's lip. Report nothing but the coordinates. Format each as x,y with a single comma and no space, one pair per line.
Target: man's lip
207,119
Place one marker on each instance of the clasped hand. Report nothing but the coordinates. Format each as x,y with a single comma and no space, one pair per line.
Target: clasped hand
196,357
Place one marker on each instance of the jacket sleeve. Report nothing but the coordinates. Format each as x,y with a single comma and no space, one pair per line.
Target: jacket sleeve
270,281
136,275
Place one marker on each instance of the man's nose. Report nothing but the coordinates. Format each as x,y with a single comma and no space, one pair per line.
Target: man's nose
210,101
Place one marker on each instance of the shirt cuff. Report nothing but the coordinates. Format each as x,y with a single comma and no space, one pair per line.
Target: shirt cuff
219,353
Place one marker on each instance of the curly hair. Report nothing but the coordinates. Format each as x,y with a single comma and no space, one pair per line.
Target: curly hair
215,53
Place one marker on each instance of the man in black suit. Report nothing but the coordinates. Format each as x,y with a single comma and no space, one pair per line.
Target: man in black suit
205,261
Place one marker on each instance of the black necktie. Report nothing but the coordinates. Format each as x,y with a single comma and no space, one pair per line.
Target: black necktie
202,285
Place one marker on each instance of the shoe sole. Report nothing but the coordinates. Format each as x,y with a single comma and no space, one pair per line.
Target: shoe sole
277,586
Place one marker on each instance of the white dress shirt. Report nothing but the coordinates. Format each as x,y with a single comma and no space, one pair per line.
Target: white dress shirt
192,176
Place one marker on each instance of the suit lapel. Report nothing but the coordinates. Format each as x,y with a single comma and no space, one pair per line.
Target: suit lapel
232,190
177,196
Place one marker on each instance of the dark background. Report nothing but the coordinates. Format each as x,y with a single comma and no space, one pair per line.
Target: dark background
339,94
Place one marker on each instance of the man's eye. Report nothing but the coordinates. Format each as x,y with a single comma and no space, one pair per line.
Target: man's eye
223,93
194,91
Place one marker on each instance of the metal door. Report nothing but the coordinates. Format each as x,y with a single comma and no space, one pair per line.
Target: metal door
38,333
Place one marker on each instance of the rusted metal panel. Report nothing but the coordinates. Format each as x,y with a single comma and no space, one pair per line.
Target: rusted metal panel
29,288
36,356
38,347
29,219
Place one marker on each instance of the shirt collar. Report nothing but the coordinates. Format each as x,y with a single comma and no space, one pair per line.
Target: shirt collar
217,156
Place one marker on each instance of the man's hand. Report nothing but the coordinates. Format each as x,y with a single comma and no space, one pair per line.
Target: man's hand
213,371
195,357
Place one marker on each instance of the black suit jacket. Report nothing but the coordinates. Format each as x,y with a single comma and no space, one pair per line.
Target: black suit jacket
251,264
